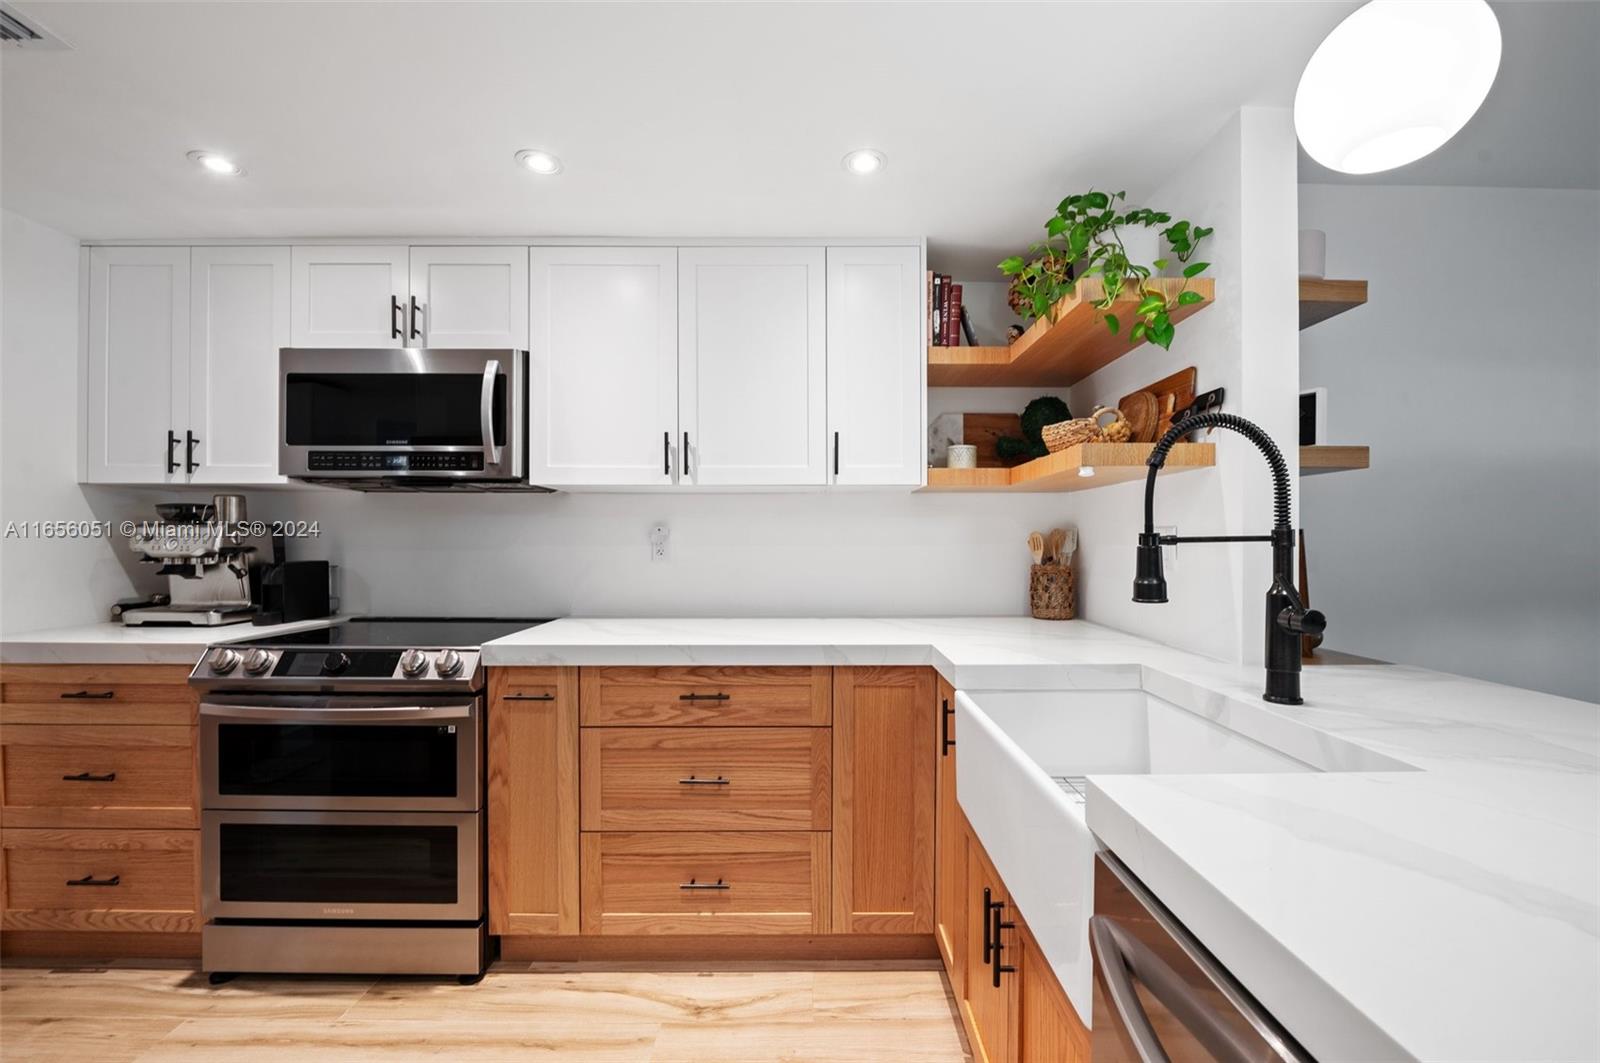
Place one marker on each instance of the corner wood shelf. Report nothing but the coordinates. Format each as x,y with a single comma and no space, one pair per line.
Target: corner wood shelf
1314,460
1321,299
1057,353
1111,463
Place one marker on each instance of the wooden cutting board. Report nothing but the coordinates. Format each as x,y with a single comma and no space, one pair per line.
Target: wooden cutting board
1172,394
982,429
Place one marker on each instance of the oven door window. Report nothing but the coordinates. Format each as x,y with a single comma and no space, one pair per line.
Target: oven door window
337,760
329,864
390,409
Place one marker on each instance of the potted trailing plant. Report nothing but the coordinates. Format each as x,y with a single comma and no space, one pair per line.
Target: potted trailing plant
1084,239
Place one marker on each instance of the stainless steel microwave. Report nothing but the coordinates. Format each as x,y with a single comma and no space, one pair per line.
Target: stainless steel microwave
406,418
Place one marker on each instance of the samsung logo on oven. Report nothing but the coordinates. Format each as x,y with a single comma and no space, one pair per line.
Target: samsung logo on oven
338,911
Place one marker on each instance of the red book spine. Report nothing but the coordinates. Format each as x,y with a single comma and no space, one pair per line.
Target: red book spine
953,327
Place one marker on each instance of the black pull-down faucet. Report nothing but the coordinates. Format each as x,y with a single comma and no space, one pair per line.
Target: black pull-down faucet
1287,616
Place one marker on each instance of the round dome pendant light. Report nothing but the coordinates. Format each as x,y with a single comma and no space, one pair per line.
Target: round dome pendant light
1394,81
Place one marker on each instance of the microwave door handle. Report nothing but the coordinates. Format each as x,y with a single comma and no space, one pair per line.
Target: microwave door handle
491,453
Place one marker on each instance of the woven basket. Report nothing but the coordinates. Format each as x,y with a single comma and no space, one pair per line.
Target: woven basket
1064,434
1052,592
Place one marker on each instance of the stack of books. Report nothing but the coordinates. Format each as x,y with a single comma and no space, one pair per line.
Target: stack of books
947,319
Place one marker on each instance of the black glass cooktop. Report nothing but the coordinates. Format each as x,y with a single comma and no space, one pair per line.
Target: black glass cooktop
404,632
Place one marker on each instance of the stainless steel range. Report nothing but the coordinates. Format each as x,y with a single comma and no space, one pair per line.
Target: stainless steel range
342,795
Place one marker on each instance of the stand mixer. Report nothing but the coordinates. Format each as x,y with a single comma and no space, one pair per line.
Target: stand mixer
201,550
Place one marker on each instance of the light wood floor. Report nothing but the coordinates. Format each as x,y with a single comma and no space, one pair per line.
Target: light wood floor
844,1012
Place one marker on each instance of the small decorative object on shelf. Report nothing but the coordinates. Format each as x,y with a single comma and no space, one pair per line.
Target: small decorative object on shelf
1088,430
1083,239
1044,410
961,456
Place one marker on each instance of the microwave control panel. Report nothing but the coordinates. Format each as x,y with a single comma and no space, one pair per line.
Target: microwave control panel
394,461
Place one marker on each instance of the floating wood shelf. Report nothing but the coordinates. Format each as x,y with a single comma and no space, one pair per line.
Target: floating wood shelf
1315,460
1058,353
1321,299
1107,463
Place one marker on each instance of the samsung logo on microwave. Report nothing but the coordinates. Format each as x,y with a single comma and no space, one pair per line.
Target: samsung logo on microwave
338,911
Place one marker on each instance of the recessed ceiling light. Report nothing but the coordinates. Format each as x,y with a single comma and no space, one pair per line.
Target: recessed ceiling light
864,161
211,162
1394,81
540,162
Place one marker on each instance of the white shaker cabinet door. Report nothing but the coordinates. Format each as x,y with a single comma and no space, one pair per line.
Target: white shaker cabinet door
135,396
875,366
603,351
350,296
752,371
239,318
468,297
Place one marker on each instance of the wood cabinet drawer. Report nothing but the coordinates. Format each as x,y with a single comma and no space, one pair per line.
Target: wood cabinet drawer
724,697
100,880
96,694
706,778
705,883
97,776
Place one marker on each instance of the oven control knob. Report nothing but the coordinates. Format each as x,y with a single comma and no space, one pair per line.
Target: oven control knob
413,663
224,661
449,663
256,662
334,663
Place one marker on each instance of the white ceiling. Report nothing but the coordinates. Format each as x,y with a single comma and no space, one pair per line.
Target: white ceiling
1540,126
676,119
673,119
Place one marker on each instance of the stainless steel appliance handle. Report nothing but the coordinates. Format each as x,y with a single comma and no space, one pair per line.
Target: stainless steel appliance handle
344,713
1119,987
491,453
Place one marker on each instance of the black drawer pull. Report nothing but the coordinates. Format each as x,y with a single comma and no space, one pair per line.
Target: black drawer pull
1000,924
89,776
705,697
530,697
693,885
948,743
90,880
988,925
89,695
693,781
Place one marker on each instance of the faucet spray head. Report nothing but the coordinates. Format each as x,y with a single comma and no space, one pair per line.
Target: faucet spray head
1149,581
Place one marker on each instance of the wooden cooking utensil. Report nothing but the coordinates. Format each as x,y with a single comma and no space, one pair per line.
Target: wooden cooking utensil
1053,544
1036,547
1143,413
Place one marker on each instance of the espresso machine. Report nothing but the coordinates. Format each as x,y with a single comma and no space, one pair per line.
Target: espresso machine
202,551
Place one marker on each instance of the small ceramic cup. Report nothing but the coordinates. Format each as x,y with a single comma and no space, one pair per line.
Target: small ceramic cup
962,456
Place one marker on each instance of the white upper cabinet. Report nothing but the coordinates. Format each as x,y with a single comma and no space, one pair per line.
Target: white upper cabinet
239,318
468,297
136,396
752,365
875,366
603,379
350,296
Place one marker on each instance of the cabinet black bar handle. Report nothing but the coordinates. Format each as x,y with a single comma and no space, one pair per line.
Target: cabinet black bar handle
836,453
686,453
172,444
416,312
696,781
87,695
705,697
666,453
947,743
90,880
693,885
188,451
89,776
530,697
988,924
396,315
997,967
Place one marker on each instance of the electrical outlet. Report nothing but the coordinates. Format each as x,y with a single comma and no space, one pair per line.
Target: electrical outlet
658,542
1169,554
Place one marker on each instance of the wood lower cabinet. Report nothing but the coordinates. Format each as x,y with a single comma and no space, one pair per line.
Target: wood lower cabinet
533,800
98,775
883,800
126,880
723,882
707,697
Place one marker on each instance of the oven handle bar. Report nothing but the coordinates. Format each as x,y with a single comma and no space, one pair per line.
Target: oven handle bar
345,712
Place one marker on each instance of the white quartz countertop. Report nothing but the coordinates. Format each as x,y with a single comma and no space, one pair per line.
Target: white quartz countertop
1449,913
108,643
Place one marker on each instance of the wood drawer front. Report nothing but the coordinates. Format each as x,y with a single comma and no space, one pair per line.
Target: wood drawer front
760,883
771,778
97,694
147,880
722,697
98,776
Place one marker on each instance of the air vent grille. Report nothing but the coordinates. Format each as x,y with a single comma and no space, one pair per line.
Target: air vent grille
22,32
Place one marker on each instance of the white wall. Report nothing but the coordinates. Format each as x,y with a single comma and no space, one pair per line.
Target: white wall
45,582
1472,545
1243,185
